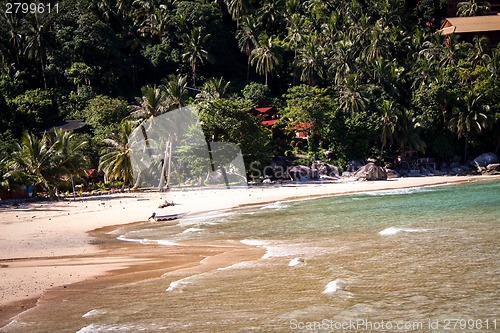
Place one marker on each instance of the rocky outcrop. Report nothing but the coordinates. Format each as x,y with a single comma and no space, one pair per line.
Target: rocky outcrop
371,171
485,159
325,170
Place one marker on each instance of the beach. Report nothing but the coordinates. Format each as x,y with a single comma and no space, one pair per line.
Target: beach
48,247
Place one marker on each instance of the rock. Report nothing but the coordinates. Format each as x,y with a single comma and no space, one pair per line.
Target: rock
392,173
354,165
324,169
301,172
485,159
371,172
492,169
279,166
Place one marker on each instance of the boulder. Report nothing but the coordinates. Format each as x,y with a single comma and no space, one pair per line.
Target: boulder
371,172
301,172
324,169
492,169
483,160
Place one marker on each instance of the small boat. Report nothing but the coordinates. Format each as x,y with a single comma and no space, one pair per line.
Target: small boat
167,217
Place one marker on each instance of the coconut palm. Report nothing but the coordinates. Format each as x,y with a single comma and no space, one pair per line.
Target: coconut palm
212,89
115,162
67,154
152,103
310,61
473,8
470,114
352,97
175,88
388,121
33,155
265,57
247,39
238,9
194,50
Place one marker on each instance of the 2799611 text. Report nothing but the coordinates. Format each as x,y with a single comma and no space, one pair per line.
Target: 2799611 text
31,8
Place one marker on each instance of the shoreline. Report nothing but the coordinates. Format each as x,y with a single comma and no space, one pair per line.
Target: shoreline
49,247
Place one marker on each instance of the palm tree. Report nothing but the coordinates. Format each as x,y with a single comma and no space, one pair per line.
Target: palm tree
388,123
247,40
34,156
194,50
265,57
116,163
473,8
238,9
176,92
67,154
470,114
407,131
152,103
351,97
310,61
213,89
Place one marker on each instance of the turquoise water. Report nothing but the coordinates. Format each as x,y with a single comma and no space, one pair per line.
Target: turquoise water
411,260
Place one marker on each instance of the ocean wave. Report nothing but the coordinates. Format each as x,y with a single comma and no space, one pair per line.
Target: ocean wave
394,230
295,262
177,284
334,286
147,241
243,264
253,242
121,328
276,205
190,230
94,312
401,191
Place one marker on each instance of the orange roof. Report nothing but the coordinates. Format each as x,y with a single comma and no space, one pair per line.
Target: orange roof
302,126
470,24
263,110
270,122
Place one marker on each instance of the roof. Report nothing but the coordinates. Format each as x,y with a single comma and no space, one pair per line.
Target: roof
470,24
302,126
270,122
263,110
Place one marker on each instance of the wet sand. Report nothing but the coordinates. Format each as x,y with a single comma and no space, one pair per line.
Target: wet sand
48,249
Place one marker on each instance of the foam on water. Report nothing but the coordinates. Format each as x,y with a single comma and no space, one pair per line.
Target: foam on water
92,328
190,230
174,285
147,241
401,191
394,230
295,262
240,265
94,312
276,205
333,286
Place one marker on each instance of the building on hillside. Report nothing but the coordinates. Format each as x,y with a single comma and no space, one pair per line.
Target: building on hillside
468,27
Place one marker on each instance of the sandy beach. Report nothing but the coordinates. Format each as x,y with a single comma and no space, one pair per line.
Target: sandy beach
53,245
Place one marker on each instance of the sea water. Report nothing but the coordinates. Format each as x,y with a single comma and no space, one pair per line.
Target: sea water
411,260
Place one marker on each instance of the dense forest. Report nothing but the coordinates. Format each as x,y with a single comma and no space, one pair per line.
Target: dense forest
371,78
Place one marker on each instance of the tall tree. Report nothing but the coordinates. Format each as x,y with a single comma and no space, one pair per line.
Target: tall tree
194,50
265,57
247,39
152,103
115,162
470,114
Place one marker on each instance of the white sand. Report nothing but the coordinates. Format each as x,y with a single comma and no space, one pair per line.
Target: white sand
46,245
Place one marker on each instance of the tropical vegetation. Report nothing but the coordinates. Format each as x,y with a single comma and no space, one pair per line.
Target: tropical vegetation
370,78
